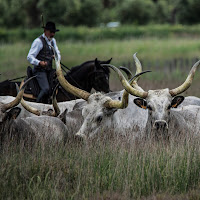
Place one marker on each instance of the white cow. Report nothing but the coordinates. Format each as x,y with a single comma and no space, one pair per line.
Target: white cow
191,100
39,129
40,108
9,112
101,113
162,119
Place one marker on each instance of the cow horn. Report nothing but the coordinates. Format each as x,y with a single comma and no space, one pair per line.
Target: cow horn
26,106
65,84
127,71
138,65
18,98
129,74
30,108
138,70
35,111
124,103
55,104
126,84
187,82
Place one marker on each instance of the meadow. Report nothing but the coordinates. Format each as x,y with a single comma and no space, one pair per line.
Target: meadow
154,53
112,168
109,168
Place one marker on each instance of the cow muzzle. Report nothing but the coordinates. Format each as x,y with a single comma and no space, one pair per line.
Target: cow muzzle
160,125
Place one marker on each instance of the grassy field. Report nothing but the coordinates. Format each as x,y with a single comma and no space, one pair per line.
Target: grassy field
105,169
108,169
157,51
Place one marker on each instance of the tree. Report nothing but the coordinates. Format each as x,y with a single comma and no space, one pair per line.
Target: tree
136,11
83,12
189,11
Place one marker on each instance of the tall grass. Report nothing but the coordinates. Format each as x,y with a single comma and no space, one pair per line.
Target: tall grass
13,61
111,169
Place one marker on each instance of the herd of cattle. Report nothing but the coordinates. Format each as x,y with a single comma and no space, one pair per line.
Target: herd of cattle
132,112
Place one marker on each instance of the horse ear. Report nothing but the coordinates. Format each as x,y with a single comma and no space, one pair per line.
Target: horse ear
108,61
97,64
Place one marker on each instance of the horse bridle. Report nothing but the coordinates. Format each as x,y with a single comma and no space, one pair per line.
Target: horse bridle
95,74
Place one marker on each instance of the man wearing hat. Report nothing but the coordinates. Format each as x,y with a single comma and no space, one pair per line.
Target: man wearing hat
41,55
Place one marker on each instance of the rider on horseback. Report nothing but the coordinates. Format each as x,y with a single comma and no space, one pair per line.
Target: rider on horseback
41,55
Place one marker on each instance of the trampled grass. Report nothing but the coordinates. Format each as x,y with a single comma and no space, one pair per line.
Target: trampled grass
102,169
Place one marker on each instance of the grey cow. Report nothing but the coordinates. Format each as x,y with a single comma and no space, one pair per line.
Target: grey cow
101,113
163,120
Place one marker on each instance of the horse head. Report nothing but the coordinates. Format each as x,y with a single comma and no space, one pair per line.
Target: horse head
100,76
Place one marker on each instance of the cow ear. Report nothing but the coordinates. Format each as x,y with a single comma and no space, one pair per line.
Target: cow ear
13,113
141,103
176,101
62,116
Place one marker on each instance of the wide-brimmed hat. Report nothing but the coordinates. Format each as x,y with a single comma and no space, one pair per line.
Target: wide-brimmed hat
51,27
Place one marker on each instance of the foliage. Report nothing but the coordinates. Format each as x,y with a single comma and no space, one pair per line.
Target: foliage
12,13
85,12
53,10
83,33
189,12
27,13
136,11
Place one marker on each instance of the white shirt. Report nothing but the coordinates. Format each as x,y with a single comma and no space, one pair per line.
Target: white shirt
36,46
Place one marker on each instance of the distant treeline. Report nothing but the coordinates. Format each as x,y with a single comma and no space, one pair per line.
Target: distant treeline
83,33
27,13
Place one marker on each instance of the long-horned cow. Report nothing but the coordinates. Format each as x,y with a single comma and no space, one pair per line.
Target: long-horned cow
102,113
9,112
162,117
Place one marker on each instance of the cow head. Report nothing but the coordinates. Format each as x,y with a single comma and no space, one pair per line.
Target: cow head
97,116
159,104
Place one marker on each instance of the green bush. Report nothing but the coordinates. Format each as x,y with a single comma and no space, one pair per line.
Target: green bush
83,12
136,11
189,12
83,33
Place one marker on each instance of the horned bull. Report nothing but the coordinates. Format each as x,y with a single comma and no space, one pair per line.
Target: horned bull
103,114
162,118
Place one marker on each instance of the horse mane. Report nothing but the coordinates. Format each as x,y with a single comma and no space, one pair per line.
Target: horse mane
74,69
78,67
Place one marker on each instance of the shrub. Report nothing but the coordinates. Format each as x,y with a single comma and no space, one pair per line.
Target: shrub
136,11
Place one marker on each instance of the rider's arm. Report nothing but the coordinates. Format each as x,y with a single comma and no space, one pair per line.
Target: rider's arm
34,50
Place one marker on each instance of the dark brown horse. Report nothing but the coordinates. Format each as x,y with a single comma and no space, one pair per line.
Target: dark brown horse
86,76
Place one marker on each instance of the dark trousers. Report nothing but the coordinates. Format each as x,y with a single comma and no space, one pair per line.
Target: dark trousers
42,79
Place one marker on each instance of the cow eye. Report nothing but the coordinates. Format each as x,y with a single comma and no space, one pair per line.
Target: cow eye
99,119
168,107
149,107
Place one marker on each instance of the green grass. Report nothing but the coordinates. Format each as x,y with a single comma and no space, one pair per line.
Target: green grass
153,53
101,169
13,56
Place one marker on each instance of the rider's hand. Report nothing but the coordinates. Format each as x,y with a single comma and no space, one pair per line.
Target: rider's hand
43,63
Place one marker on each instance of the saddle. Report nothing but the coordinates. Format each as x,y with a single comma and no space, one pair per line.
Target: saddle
33,86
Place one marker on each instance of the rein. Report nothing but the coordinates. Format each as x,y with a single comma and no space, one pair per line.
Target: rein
14,79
